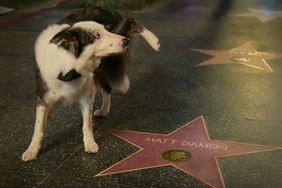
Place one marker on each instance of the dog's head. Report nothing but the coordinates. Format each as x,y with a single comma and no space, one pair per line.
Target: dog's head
89,38
114,22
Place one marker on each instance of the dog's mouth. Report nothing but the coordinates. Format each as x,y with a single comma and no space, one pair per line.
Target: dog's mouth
116,53
113,53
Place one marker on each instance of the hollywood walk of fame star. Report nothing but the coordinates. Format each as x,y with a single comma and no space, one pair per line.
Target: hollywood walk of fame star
189,149
245,54
263,15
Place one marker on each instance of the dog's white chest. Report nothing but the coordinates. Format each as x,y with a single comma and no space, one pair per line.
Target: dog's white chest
70,92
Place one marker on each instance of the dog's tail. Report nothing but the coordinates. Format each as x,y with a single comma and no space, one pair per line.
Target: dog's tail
123,85
151,38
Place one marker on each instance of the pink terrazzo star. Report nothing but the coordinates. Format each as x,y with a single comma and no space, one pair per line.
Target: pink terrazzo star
192,138
245,54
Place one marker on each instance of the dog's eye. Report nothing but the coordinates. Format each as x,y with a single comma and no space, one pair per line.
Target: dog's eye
98,36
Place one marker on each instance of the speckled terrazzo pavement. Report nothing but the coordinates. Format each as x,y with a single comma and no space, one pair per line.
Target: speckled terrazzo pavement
239,104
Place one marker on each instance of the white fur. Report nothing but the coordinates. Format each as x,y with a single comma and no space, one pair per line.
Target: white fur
52,60
86,104
33,149
151,38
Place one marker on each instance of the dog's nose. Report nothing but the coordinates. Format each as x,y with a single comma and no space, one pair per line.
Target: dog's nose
125,42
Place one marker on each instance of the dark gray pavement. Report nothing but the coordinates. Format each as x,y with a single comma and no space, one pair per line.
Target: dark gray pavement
238,103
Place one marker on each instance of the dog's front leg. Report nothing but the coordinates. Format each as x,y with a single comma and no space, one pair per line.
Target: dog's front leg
42,111
86,104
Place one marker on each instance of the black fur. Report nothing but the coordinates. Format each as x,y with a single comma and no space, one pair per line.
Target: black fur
129,27
74,40
110,19
110,72
69,76
112,68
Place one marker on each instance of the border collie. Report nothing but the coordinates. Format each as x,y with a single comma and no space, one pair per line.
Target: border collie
111,71
64,72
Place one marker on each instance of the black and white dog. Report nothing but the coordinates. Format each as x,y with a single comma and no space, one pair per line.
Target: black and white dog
66,56
111,71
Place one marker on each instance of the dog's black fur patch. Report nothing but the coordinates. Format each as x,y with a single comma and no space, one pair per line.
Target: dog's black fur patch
110,71
74,40
112,68
110,19
69,76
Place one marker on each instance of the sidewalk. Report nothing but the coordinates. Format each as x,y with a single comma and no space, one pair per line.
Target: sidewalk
20,10
203,112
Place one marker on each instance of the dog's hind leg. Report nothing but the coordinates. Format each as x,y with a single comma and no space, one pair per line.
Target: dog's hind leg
106,90
121,86
86,104
105,109
42,111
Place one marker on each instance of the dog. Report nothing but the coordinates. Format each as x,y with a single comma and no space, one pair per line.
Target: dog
111,75
64,72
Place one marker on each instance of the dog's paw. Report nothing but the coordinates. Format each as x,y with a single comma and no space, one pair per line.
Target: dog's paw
100,113
151,38
156,44
29,155
91,146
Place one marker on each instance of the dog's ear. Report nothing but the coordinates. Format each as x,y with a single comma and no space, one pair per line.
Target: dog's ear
70,76
74,40
64,35
66,39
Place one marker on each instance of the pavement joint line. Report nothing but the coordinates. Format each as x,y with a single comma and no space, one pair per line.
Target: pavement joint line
64,161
